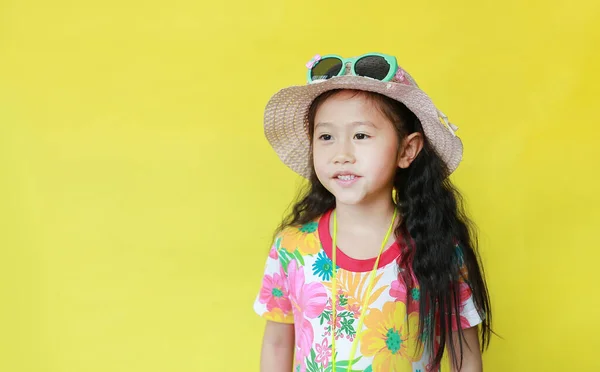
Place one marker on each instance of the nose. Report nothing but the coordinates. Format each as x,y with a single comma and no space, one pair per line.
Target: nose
344,153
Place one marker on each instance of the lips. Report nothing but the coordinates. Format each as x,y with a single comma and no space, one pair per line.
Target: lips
345,178
345,175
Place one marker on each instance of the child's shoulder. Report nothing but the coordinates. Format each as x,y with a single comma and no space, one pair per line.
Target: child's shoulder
301,237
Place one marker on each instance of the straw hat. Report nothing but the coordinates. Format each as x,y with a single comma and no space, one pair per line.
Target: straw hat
286,117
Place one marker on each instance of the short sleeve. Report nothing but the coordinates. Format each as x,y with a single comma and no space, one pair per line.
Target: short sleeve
469,315
273,302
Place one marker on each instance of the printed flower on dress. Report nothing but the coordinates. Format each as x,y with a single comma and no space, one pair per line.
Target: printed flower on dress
398,291
464,323
323,267
308,302
388,340
274,292
355,310
323,353
344,322
304,239
273,253
354,287
285,256
276,315
464,294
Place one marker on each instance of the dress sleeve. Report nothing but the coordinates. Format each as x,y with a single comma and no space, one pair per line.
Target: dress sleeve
469,315
273,302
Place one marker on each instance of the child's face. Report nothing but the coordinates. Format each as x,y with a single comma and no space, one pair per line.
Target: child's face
355,149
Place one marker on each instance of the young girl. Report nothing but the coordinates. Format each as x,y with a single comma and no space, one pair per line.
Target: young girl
376,268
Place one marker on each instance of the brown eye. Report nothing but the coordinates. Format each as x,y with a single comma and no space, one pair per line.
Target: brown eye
325,137
361,136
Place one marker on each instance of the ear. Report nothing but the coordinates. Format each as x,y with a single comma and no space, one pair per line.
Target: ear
410,147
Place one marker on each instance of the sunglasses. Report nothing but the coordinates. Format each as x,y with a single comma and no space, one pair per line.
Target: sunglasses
373,65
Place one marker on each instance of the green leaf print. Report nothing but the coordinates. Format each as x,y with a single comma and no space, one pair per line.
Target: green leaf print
343,364
311,364
345,318
298,256
348,327
284,259
325,316
368,369
343,300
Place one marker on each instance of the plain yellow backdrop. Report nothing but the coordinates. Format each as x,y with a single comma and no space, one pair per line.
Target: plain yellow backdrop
138,194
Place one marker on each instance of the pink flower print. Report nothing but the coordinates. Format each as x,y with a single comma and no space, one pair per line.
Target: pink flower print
464,295
304,339
355,310
464,292
273,253
323,353
411,298
398,291
308,302
337,304
464,323
308,299
338,322
274,293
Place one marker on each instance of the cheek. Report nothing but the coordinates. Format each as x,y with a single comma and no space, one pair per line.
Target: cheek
319,161
384,161
321,154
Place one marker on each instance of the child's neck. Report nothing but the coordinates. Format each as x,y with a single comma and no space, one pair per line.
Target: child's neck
362,216
361,228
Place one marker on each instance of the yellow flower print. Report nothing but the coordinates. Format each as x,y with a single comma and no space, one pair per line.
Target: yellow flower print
278,316
354,285
388,340
304,239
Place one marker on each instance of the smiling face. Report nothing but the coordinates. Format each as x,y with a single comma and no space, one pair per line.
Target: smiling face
355,149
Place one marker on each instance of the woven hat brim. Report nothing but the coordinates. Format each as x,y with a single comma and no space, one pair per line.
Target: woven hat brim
286,119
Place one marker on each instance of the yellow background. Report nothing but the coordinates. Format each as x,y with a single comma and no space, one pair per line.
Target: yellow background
138,194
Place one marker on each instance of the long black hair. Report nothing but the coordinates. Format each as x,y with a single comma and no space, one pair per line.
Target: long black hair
440,241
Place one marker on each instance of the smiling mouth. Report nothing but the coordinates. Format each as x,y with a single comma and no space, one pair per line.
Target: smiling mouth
346,177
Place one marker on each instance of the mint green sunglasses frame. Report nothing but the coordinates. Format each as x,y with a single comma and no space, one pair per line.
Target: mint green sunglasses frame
389,59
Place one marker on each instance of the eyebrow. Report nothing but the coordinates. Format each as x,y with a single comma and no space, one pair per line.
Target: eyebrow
354,124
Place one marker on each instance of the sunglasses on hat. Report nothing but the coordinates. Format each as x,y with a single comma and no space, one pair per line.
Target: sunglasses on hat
373,65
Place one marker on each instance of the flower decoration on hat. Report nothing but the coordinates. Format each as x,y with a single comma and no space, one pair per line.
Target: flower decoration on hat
444,120
313,61
400,76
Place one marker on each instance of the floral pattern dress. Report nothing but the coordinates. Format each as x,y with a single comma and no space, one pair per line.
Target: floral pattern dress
296,289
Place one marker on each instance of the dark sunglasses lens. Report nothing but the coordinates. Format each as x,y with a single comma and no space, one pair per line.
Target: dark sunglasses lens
326,69
375,67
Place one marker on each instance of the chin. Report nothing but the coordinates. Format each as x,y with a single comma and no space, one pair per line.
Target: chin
349,198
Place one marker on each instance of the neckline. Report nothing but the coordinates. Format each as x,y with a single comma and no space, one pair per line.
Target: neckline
348,263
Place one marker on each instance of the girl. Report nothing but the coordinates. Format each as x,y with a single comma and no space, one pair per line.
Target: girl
376,268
